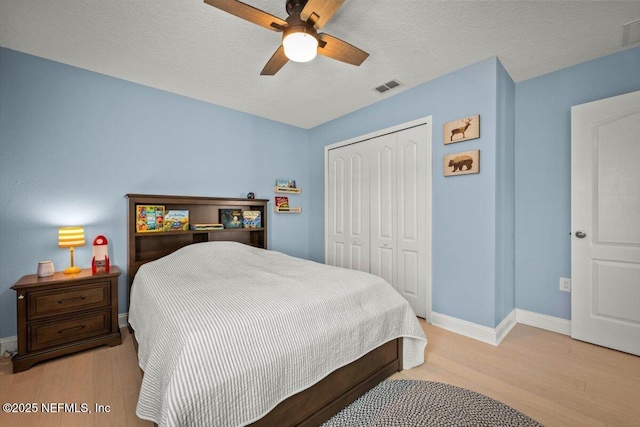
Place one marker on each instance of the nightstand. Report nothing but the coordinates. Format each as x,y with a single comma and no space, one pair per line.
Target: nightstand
65,313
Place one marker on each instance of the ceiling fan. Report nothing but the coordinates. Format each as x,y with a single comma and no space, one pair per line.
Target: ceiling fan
300,38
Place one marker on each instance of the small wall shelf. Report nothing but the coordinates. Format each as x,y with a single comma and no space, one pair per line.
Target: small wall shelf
293,209
287,190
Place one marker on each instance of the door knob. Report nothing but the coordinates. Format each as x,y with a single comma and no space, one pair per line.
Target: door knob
385,243
581,234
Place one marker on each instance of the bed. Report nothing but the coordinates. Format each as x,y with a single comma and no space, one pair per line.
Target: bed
229,334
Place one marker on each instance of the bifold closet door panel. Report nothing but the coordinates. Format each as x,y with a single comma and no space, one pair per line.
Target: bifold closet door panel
411,234
337,209
384,207
349,208
358,209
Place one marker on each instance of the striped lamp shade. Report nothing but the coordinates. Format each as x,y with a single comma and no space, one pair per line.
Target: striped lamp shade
70,237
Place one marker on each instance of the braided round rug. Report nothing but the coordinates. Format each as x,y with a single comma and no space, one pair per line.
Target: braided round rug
404,403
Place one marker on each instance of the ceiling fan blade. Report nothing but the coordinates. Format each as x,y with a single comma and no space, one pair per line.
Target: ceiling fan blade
318,12
335,48
249,13
276,62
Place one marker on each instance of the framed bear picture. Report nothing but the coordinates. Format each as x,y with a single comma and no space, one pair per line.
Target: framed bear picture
462,163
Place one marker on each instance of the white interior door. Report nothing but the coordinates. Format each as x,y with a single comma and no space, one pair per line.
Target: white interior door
605,220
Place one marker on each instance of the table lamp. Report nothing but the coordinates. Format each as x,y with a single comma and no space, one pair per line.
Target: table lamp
71,237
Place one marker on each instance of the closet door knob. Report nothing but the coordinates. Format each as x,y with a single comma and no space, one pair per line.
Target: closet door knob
581,234
385,243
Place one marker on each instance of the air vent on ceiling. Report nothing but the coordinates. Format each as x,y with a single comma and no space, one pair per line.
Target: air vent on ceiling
631,33
388,86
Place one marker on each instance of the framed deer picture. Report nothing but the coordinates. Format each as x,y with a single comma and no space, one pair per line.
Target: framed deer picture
462,163
461,130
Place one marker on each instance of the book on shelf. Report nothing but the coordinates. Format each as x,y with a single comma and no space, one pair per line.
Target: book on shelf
205,227
282,202
285,183
252,219
231,218
149,218
176,220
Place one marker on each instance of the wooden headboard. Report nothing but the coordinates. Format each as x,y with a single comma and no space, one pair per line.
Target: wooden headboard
149,246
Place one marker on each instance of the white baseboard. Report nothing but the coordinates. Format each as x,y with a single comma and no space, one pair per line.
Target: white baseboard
495,336
11,343
542,321
473,330
505,326
122,320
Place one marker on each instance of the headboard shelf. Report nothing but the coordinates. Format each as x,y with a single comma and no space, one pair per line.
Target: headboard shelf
175,233
149,246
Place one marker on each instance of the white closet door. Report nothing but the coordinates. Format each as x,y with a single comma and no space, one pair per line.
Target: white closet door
377,218
337,221
383,207
349,208
358,209
411,188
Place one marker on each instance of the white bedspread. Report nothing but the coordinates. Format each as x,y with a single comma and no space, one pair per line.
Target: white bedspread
227,331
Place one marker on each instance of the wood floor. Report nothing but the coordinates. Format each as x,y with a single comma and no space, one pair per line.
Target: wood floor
550,377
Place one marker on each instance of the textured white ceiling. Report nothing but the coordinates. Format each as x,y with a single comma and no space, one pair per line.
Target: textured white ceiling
190,48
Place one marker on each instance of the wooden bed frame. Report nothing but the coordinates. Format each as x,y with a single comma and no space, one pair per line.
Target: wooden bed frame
319,402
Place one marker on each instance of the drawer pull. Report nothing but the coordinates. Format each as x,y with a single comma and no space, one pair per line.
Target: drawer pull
61,331
62,301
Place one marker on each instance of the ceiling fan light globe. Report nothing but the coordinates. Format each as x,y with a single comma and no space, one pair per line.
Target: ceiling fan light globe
300,47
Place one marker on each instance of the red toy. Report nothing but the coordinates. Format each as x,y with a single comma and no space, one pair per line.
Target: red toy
100,261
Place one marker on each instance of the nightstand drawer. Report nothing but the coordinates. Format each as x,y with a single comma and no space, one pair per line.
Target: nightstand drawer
45,335
67,300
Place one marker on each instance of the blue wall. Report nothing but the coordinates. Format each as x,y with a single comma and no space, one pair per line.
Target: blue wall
464,207
505,298
543,173
73,143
